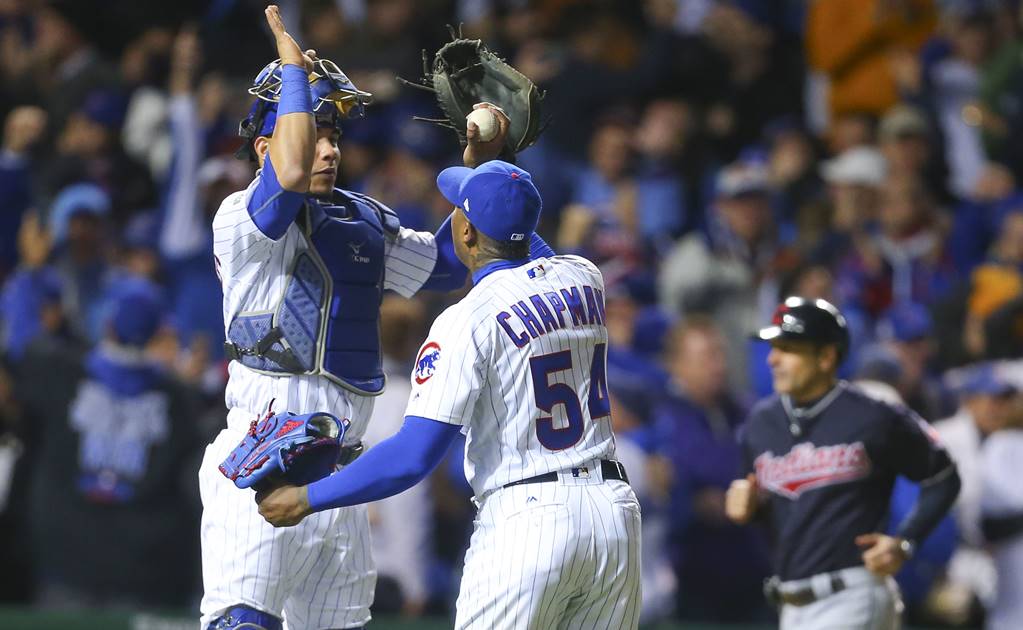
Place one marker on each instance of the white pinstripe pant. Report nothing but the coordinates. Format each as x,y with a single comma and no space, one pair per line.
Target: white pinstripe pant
318,574
554,555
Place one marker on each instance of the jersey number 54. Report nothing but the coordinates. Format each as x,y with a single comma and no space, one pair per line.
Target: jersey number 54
549,394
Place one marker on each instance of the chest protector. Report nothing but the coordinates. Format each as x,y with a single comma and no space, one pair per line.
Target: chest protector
327,320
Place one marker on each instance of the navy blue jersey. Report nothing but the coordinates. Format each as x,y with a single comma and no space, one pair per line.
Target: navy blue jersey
828,471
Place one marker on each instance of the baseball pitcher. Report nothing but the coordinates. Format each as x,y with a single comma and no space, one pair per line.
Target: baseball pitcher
519,366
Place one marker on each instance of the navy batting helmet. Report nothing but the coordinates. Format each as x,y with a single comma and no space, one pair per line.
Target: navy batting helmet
334,97
817,321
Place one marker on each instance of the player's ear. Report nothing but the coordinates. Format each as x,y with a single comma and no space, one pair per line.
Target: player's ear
261,144
827,358
470,236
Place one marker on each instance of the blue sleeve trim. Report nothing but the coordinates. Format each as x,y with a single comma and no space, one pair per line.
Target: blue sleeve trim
272,208
448,272
538,248
387,469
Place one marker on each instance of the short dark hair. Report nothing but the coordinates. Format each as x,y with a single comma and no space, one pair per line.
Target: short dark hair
502,250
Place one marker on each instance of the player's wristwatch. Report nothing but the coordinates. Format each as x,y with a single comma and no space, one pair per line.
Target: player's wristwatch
907,547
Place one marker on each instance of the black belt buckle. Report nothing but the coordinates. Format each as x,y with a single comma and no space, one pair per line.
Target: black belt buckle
349,454
772,590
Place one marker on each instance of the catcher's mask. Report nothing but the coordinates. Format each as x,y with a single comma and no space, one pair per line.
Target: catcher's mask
334,97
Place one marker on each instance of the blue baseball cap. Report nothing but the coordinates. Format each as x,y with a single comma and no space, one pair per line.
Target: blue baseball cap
985,379
74,199
498,198
136,310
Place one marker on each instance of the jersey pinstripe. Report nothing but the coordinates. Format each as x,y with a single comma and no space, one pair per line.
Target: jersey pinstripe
253,270
512,346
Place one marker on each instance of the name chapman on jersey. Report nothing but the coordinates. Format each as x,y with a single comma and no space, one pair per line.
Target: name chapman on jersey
552,310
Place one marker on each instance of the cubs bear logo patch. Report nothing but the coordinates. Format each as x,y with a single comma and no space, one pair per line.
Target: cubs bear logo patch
426,362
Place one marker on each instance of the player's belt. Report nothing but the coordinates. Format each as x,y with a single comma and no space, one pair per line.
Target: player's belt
801,596
608,470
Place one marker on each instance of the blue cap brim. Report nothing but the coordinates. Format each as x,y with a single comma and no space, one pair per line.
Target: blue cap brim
449,182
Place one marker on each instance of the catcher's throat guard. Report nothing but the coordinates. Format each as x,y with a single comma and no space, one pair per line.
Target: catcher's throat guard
297,449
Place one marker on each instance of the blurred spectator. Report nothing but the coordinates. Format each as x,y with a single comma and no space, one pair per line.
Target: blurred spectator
850,130
987,403
994,286
113,438
907,142
906,332
951,85
761,76
905,260
88,149
31,299
854,179
57,64
80,228
729,271
664,145
1002,514
401,526
852,42
720,566
650,476
792,172
601,219
997,112
23,129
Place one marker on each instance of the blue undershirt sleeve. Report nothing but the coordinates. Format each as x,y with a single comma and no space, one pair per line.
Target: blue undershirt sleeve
448,272
387,469
272,208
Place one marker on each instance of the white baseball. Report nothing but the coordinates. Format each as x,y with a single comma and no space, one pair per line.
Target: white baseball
486,120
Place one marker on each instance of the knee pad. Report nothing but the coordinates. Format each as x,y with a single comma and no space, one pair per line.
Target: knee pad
244,617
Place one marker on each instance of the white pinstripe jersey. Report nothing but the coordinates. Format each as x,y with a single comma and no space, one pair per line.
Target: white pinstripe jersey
520,362
253,270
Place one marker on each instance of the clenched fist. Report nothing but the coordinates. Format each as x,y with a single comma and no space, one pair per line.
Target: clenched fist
741,499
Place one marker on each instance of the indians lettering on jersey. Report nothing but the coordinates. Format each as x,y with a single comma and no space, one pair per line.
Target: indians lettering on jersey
551,310
806,467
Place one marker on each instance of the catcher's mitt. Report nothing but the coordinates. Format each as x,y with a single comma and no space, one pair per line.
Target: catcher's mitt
466,72
297,449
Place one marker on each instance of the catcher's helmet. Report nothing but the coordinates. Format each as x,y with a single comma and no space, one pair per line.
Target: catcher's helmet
334,97
817,321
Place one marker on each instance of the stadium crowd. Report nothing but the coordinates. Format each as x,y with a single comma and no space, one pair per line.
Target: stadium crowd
713,156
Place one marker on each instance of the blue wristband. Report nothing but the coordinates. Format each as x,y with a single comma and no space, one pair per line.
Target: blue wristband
295,93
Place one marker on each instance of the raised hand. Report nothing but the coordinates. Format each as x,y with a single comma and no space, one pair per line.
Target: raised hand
287,48
476,151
